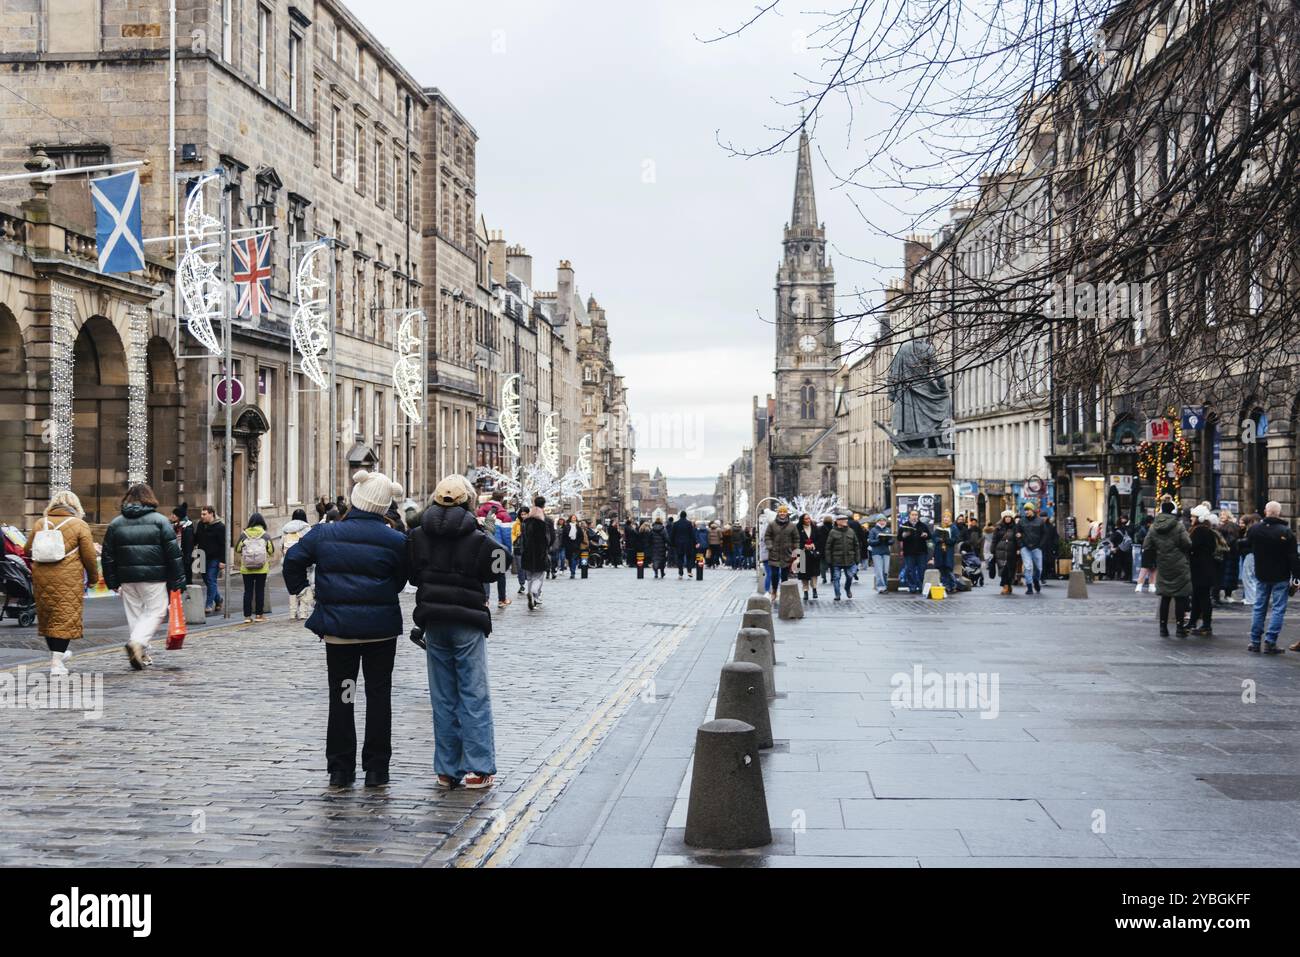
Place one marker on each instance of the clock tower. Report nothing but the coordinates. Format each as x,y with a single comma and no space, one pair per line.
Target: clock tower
803,449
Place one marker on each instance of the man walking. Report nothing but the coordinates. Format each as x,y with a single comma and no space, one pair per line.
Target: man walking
781,538
1274,546
682,540
361,569
1030,535
210,538
842,555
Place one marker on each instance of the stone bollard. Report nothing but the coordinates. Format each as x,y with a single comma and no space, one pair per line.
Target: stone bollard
727,809
759,619
758,603
790,603
755,645
1078,585
742,695
932,577
192,601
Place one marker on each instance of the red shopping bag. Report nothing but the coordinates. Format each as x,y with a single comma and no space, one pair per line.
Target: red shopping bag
175,622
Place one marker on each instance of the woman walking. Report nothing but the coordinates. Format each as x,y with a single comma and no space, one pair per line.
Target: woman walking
497,529
142,561
1169,545
811,568
63,561
1146,560
1005,552
1205,571
254,549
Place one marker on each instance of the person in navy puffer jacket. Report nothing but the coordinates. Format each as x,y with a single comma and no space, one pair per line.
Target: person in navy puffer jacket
361,568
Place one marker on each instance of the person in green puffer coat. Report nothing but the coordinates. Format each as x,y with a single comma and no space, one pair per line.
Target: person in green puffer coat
843,552
142,562
1169,544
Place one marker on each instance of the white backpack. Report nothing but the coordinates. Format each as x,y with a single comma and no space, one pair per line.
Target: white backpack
47,546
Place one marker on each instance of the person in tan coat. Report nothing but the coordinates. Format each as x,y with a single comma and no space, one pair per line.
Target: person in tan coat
60,587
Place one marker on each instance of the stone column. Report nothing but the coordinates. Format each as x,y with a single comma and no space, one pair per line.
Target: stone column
137,397
61,367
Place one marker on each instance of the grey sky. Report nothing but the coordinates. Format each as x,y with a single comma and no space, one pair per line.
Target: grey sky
598,126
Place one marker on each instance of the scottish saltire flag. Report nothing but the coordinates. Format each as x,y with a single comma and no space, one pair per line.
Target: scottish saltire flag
117,222
252,276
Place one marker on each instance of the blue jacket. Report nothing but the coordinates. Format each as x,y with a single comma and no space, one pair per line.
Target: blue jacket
877,546
361,569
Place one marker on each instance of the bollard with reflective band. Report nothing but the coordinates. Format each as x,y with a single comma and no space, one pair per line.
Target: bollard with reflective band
582,561
640,564
699,567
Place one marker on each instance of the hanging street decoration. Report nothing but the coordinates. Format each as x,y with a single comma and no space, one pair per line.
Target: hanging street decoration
310,326
199,274
548,452
742,506
584,460
252,275
510,419
1166,465
408,370
814,505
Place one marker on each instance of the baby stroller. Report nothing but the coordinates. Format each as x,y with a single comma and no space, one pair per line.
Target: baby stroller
20,600
973,569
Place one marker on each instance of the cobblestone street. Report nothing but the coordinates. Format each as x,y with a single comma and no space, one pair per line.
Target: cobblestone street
216,755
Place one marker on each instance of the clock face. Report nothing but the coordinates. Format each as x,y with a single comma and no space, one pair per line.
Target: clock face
808,343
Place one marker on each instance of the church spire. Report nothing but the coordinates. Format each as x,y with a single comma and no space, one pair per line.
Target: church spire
805,199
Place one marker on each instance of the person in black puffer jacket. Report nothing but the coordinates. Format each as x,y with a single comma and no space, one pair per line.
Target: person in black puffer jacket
451,559
142,561
361,569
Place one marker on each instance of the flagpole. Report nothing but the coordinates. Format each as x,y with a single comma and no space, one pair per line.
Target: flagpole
12,177
333,396
227,265
233,232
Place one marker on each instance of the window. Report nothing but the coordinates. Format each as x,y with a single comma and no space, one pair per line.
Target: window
808,400
228,30
359,158
379,171
356,64
358,410
336,141
398,185
263,47
336,50
295,71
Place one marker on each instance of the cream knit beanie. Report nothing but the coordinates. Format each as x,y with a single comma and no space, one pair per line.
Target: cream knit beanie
374,492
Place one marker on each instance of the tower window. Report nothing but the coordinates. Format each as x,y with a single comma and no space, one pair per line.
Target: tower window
808,400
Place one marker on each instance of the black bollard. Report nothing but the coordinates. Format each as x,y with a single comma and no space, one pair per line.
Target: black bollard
583,562
742,695
699,567
728,806
640,564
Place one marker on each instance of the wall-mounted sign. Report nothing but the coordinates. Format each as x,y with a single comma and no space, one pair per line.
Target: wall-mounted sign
1229,505
930,505
1193,418
1160,430
1123,484
230,391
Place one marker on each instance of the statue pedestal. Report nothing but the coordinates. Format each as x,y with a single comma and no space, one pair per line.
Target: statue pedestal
921,482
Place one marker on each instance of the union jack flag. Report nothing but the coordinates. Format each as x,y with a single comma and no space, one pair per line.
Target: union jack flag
252,276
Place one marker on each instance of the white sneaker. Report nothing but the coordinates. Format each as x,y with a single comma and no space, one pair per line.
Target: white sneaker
56,664
1151,589
1138,588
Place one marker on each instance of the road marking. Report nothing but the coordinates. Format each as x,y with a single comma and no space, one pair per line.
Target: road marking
494,845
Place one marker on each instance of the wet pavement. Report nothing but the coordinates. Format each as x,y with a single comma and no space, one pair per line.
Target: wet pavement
216,755
1095,743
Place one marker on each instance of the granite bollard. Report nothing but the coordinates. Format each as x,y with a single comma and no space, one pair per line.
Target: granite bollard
755,645
790,603
742,695
727,808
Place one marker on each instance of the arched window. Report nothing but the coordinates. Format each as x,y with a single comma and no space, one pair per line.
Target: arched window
808,400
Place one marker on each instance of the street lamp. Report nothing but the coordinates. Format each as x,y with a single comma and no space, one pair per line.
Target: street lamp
758,566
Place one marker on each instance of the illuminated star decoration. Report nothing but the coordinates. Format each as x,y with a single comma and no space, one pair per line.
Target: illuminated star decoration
198,275
408,370
309,328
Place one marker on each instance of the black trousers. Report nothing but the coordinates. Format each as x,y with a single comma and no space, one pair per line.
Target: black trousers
1202,605
57,644
254,595
375,660
1180,608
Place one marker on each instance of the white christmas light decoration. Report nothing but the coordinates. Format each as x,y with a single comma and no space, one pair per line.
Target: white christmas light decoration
510,419
408,374
199,274
309,328
137,401
814,505
548,453
742,505
59,431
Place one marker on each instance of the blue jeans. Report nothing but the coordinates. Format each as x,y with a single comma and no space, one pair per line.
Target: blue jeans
945,574
210,579
913,573
573,565
1249,584
775,574
463,737
1032,558
847,572
1266,592
881,565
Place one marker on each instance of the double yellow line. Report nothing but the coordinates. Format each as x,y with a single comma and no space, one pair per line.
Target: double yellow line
495,845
